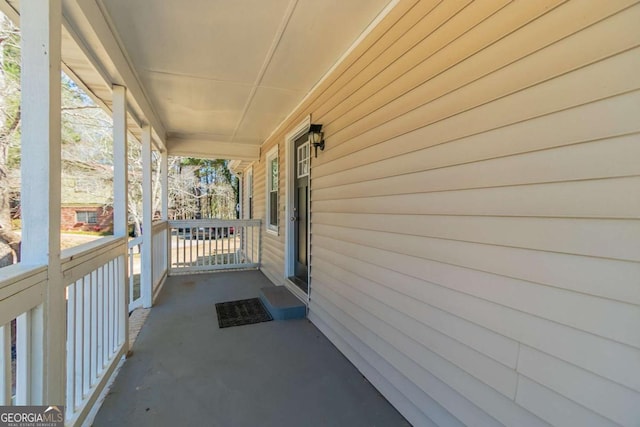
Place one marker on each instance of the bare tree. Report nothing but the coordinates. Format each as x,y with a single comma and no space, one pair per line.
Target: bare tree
197,188
9,124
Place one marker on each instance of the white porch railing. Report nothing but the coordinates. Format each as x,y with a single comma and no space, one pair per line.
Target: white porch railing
96,320
159,254
207,245
98,300
135,291
21,299
159,263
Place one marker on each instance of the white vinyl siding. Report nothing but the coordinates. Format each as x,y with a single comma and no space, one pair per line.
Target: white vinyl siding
272,243
475,214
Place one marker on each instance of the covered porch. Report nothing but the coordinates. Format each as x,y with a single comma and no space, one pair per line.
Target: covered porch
465,213
71,308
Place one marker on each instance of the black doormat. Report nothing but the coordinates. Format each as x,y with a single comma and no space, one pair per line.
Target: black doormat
241,312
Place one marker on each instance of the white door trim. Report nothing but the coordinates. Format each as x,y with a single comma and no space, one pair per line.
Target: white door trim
289,234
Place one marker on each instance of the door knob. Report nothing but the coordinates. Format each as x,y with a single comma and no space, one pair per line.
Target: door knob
293,218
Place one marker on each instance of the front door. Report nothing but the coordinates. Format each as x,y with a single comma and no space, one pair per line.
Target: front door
300,212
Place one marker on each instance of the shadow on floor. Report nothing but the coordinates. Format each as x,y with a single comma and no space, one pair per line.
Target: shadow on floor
185,371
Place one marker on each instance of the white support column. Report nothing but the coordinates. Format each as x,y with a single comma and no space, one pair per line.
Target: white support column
240,206
120,162
120,199
164,180
40,193
146,276
164,203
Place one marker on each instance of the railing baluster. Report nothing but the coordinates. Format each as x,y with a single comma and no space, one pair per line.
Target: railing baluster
123,312
93,371
109,314
5,365
171,261
117,286
131,278
101,318
116,305
114,309
209,260
23,358
71,346
79,342
86,338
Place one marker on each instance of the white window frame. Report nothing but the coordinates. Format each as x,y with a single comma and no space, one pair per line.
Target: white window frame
271,155
87,214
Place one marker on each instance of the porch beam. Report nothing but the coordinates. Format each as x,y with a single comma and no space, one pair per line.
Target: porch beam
204,148
120,196
146,267
40,194
9,10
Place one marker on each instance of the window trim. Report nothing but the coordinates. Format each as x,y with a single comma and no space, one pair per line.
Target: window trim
271,155
87,213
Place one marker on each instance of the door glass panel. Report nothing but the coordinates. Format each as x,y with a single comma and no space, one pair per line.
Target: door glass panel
303,160
302,227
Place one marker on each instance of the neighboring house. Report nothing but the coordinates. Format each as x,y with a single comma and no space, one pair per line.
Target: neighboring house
86,197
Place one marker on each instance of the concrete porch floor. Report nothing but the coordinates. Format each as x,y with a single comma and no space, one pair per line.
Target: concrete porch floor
185,371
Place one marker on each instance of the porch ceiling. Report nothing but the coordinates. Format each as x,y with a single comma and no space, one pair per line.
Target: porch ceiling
220,74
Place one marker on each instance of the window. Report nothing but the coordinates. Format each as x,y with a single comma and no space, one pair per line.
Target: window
272,189
250,193
303,160
88,217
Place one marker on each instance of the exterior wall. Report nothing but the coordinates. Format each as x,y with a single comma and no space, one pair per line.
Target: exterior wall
250,243
88,188
475,213
272,249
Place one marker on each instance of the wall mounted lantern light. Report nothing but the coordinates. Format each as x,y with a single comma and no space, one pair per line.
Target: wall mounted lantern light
316,136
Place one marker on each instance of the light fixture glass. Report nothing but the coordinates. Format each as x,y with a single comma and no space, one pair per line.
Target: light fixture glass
316,137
